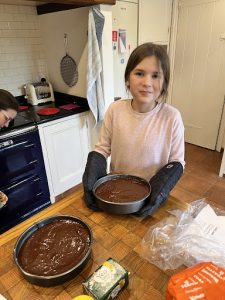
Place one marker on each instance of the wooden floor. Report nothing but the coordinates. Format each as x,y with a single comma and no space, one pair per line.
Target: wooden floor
201,177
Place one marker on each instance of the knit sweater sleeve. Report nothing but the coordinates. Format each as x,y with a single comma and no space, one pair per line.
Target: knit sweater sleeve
103,145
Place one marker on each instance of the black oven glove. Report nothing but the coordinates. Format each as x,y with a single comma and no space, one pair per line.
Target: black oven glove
95,169
161,184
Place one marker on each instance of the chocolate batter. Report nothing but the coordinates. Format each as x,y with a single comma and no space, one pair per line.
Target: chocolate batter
122,190
55,248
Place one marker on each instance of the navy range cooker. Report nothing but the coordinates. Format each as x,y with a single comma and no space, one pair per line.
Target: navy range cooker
22,171
22,175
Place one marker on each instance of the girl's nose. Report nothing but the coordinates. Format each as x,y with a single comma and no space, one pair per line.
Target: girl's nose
147,81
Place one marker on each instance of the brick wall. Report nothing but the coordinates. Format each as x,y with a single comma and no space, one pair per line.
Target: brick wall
22,56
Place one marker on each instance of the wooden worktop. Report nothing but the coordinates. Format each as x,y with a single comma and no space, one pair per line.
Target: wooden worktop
116,236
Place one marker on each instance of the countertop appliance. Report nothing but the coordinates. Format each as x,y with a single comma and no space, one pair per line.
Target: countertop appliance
22,176
39,93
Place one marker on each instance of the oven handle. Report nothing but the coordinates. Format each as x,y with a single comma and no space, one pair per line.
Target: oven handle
37,179
21,182
30,146
20,144
32,162
38,194
19,131
14,145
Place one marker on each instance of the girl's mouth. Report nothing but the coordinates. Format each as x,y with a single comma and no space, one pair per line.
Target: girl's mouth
145,93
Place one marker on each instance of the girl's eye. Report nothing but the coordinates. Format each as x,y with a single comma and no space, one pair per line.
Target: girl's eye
156,76
139,73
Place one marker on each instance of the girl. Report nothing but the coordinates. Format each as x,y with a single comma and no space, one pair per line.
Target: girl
143,135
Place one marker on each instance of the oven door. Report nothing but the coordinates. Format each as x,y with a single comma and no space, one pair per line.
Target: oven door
25,197
22,176
17,157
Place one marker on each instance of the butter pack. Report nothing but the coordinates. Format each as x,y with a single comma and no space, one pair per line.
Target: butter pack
107,281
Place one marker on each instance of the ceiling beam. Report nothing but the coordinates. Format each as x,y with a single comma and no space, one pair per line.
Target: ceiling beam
53,7
50,6
79,2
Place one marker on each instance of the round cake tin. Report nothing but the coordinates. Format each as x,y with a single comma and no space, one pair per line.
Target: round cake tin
55,279
120,208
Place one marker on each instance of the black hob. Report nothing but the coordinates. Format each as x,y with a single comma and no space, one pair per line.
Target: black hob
60,100
31,113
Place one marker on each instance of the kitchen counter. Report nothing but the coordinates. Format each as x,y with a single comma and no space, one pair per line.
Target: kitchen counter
116,236
61,99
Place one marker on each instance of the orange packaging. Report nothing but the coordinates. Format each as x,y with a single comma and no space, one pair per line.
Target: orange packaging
205,281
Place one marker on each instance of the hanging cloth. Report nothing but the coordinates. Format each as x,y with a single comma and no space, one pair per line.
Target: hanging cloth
95,96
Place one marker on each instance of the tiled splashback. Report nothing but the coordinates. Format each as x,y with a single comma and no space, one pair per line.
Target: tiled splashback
22,56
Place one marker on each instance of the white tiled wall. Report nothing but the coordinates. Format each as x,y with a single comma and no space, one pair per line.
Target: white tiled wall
74,23
22,56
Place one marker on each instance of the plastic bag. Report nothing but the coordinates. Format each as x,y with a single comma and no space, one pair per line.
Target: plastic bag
181,240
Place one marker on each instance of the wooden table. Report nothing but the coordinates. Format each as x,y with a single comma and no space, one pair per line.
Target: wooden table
116,236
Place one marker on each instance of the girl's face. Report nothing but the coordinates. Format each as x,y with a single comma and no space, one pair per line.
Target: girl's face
6,116
145,83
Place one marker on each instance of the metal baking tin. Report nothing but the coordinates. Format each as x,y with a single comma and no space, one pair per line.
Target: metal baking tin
59,278
120,208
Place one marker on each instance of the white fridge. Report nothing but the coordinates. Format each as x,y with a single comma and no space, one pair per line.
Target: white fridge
124,40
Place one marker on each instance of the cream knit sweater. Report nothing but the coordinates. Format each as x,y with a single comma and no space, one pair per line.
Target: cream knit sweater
141,143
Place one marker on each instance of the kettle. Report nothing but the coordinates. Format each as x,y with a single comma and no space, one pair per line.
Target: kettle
40,92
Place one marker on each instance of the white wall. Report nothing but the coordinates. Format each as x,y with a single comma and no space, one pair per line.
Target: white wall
22,57
74,22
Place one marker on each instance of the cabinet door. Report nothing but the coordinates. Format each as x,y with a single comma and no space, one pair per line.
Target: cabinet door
67,149
154,21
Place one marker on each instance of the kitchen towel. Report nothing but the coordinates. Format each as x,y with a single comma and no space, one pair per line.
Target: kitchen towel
95,96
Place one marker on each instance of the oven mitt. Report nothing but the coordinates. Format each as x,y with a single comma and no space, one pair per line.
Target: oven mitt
95,169
161,184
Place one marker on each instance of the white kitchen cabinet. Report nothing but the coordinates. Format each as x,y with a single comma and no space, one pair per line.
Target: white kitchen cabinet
154,21
65,145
